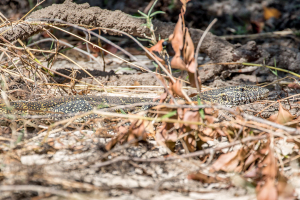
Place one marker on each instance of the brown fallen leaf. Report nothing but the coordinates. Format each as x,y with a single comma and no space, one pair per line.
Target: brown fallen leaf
229,162
177,63
202,178
285,189
294,85
189,53
177,88
155,50
192,116
283,116
177,37
183,8
271,12
267,191
192,80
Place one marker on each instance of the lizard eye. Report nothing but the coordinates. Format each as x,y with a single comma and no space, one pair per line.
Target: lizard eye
242,89
224,98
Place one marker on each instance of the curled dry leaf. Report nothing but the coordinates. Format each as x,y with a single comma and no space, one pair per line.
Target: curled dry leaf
190,143
183,8
192,80
283,116
122,136
189,53
294,85
223,132
192,116
202,178
285,189
210,119
266,188
155,50
230,162
177,37
252,172
208,132
137,131
269,165
204,137
162,97
177,63
177,88
180,111
166,135
211,111
251,159
267,191
165,132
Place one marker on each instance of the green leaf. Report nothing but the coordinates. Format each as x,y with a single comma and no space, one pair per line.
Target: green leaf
141,17
150,10
103,105
275,71
157,12
123,112
20,137
51,45
143,39
125,68
155,64
170,114
201,111
143,14
29,41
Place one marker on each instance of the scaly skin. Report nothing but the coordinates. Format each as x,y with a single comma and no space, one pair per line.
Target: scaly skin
230,96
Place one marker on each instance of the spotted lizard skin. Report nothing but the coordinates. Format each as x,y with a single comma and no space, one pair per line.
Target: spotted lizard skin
56,107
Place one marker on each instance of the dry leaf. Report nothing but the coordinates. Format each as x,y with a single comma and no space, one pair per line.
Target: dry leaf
269,165
268,191
155,50
294,85
136,83
283,116
227,162
177,88
192,116
190,143
189,53
271,12
177,63
201,177
192,80
177,37
285,190
183,8
164,133
257,26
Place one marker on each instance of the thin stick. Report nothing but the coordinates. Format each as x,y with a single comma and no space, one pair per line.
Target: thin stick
197,52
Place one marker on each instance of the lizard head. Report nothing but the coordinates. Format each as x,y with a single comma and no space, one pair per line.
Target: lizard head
236,95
